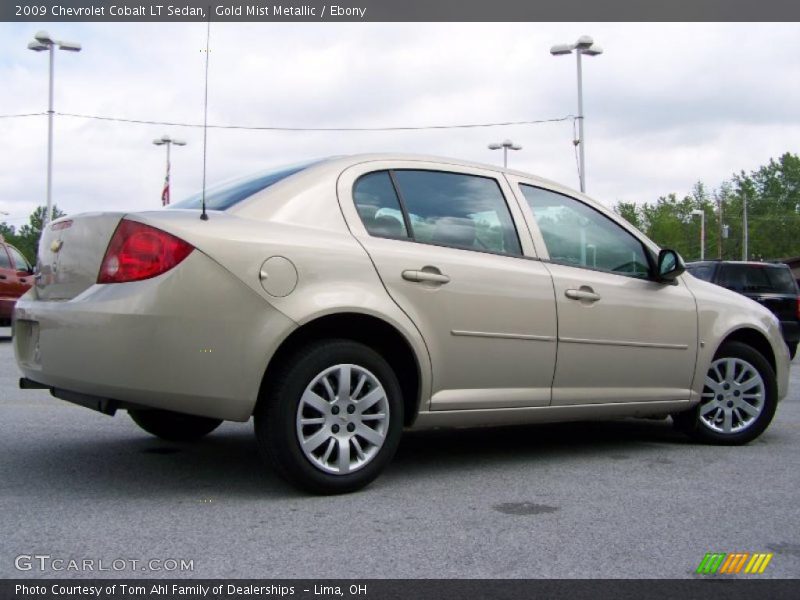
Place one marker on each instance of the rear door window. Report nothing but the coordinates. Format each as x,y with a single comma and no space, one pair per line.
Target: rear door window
378,205
437,207
458,210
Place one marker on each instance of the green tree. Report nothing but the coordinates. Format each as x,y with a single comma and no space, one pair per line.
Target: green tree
26,238
772,196
630,212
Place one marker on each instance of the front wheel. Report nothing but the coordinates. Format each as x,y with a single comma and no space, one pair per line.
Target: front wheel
738,401
331,418
172,426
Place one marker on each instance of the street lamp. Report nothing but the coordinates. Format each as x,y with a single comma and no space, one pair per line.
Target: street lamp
506,145
41,42
593,248
584,45
702,215
167,141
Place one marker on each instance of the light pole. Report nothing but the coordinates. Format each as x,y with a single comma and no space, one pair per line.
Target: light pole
167,141
745,232
41,42
584,45
593,248
506,145
702,216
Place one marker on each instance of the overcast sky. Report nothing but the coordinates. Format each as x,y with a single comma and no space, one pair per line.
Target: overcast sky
666,104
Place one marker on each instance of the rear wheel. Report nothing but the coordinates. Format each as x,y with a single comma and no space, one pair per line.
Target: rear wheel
172,426
738,401
792,350
332,417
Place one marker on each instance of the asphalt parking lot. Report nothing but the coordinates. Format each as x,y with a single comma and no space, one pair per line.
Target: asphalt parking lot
627,499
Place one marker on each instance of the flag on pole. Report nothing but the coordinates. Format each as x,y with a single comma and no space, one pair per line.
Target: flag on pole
165,191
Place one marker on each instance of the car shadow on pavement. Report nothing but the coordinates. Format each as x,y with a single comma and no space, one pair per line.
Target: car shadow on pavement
533,443
226,463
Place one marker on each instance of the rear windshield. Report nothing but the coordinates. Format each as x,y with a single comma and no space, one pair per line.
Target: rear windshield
757,278
224,195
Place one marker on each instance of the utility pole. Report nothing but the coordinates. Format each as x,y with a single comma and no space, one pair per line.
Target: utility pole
745,236
719,228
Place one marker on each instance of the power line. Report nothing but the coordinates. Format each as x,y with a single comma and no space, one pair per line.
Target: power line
320,129
22,115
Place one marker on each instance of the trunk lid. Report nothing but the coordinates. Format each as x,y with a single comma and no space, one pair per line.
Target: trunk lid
70,253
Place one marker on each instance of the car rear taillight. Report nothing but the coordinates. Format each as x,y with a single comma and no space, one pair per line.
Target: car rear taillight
138,251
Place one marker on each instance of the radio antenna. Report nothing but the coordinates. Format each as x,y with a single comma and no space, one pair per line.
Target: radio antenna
204,214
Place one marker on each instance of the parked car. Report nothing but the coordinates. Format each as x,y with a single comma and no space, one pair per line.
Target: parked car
16,278
340,301
770,284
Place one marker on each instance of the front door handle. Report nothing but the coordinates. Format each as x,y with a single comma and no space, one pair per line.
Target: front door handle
426,274
585,293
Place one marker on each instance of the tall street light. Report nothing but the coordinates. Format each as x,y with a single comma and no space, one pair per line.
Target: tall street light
167,141
506,145
584,45
41,42
702,216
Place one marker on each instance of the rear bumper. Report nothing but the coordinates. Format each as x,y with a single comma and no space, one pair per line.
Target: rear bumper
194,340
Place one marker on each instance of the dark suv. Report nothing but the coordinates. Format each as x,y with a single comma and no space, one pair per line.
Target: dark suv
16,277
769,284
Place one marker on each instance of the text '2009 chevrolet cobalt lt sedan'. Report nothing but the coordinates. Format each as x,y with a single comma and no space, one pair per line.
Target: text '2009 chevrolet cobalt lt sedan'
343,300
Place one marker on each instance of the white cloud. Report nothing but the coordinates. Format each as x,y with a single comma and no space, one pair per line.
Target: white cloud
666,105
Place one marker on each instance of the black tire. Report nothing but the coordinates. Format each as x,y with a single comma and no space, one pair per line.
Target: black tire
276,417
699,429
792,350
172,426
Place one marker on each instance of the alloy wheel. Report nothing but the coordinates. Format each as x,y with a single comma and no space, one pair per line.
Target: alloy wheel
733,396
342,419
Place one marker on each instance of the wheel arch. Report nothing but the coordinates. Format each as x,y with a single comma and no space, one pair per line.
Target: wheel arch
369,330
753,338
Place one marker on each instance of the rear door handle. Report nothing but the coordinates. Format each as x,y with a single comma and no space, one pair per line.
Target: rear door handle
432,276
584,293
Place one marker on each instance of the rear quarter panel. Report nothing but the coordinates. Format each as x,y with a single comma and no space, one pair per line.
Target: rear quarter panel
334,273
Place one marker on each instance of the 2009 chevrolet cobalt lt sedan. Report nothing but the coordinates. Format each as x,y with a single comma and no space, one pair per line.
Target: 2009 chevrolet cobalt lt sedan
343,300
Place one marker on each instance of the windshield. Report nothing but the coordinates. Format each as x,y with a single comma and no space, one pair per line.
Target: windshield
224,195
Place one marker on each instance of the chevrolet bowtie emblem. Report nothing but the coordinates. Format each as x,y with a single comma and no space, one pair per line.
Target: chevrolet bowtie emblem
56,245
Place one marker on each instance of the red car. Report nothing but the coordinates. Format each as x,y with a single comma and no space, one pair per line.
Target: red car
16,277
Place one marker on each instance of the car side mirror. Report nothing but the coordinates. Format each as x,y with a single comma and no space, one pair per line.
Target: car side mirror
670,265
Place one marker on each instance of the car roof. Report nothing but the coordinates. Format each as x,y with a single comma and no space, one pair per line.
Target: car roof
345,161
